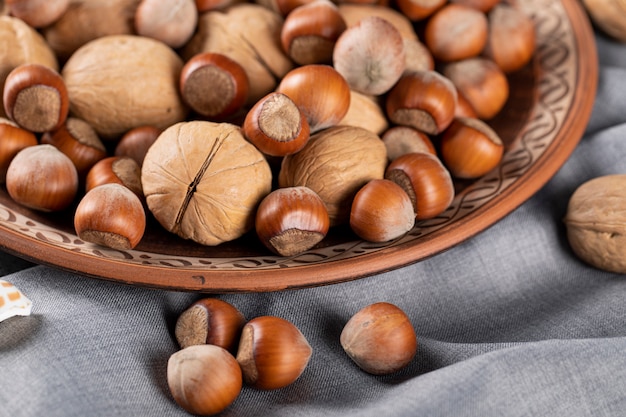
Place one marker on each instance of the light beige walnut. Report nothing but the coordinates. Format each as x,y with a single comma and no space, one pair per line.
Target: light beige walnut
249,34
365,111
21,44
86,20
119,82
203,181
336,163
596,222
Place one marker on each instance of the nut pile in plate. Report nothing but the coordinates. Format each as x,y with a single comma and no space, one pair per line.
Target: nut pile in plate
286,118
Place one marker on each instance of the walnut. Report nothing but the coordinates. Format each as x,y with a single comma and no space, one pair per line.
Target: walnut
596,222
249,34
203,181
119,82
86,20
336,163
21,44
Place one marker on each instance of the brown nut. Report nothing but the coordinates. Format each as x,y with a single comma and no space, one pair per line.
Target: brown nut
272,353
380,339
381,211
609,16
117,83
511,39
276,125
36,98
214,85
365,111
482,5
596,222
42,178
292,220
121,170
37,13
136,142
79,141
110,215
12,140
470,148
171,22
201,170
419,9
426,180
24,44
310,31
353,13
320,92
482,83
425,100
336,163
456,32
204,379
370,56
210,321
400,140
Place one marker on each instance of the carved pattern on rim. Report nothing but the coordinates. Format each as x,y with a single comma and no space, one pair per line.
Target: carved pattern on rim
555,76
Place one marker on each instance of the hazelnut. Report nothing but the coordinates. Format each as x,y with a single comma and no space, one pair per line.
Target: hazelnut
272,353
87,20
37,13
400,140
12,140
336,163
456,32
210,321
380,339
276,125
419,9
470,148
42,178
110,215
482,5
172,22
79,141
381,211
283,7
425,100
136,142
310,31
117,83
23,45
353,13
426,180
482,83
511,39
320,91
292,220
214,85
370,56
204,379
121,170
36,98
203,181
365,111
596,222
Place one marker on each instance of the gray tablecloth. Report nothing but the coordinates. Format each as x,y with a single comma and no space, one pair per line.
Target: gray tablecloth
509,323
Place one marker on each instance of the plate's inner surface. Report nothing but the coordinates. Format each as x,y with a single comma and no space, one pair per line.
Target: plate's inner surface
540,98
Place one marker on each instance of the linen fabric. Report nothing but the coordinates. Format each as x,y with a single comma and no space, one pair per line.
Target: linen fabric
509,323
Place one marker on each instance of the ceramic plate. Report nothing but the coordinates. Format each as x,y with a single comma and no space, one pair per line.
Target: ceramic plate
548,109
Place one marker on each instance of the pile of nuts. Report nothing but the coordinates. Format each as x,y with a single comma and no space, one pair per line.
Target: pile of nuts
285,117
221,351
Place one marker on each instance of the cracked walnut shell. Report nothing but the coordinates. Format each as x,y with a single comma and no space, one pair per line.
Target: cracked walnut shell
203,181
